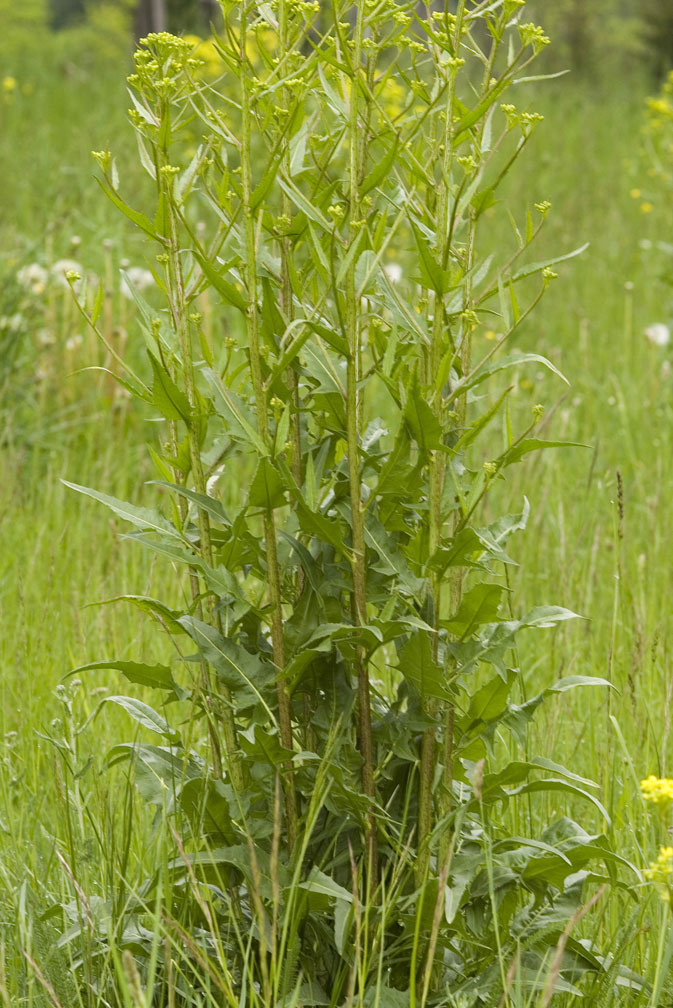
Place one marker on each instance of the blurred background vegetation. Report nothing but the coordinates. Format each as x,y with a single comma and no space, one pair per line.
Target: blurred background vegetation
594,38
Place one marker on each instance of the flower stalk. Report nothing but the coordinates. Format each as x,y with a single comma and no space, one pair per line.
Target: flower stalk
276,616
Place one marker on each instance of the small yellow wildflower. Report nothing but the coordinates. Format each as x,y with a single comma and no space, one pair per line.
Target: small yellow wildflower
658,790
635,194
646,208
660,872
661,106
8,84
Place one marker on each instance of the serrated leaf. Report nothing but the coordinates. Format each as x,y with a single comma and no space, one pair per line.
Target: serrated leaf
261,746
481,604
156,676
145,519
267,489
418,667
161,612
166,396
422,423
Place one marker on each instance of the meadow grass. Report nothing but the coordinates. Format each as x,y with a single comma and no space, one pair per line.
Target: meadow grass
581,549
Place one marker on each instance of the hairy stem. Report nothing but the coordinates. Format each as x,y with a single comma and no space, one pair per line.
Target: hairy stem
283,696
438,346
359,607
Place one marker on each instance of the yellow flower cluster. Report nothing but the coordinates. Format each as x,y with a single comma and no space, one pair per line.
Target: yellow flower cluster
658,790
660,872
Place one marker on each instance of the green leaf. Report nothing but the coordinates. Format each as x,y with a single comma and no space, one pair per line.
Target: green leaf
262,188
490,700
548,616
482,201
261,746
98,302
381,169
143,518
156,676
432,274
382,996
321,884
424,427
481,604
158,610
236,415
472,432
166,396
202,501
418,667
298,149
236,667
228,291
555,784
137,218
482,373
267,489
143,714
303,204
517,451
537,267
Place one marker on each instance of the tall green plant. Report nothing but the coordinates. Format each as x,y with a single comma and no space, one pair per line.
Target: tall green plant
340,839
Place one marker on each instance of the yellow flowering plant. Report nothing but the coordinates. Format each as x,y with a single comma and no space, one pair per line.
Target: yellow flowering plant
658,139
346,642
658,791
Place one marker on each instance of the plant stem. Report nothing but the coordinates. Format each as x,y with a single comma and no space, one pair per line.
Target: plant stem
287,309
178,303
437,471
353,441
284,712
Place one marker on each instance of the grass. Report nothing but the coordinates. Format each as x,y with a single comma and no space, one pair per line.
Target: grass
591,547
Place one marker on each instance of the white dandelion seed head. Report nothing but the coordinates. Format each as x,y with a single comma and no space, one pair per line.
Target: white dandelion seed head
45,338
33,277
138,277
658,334
11,323
393,271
